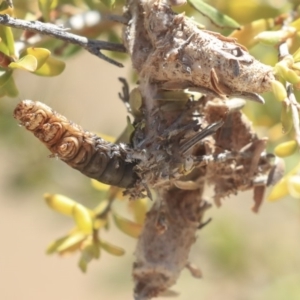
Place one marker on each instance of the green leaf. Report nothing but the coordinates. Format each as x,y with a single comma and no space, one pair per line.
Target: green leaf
273,38
46,6
296,24
99,185
128,227
60,203
71,241
246,35
4,76
112,249
41,55
54,245
5,60
296,55
279,90
52,67
214,15
9,88
82,264
90,251
27,63
108,3
7,44
83,219
139,208
286,148
284,70
3,6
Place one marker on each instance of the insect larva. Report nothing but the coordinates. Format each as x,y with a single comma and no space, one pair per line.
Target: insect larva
80,149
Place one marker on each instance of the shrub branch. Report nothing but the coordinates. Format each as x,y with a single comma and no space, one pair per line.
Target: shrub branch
92,46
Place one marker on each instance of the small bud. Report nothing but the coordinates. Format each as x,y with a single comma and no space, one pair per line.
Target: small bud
128,227
135,102
83,219
112,249
286,149
99,185
279,90
284,70
60,203
292,77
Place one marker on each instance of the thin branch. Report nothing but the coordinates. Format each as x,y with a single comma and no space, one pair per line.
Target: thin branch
9,3
283,52
92,46
294,109
125,95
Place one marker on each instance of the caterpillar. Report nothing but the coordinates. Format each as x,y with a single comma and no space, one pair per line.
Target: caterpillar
82,150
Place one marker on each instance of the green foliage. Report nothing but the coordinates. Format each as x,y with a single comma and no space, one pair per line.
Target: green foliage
86,237
31,59
214,15
108,3
46,6
128,227
7,45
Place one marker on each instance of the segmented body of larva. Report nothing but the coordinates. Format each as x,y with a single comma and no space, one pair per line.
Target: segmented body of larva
80,149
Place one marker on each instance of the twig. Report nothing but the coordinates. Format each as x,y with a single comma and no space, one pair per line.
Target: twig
9,3
92,46
283,52
125,95
294,109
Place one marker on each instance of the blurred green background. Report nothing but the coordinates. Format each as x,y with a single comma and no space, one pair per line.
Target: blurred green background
243,256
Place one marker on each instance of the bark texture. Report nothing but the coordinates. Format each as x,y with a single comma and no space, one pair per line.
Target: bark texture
184,144
169,48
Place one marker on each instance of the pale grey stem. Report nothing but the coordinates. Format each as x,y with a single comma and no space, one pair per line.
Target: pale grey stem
295,112
9,3
92,46
284,51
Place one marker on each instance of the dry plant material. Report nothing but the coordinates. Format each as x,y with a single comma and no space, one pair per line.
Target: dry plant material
175,216
179,151
231,158
169,48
